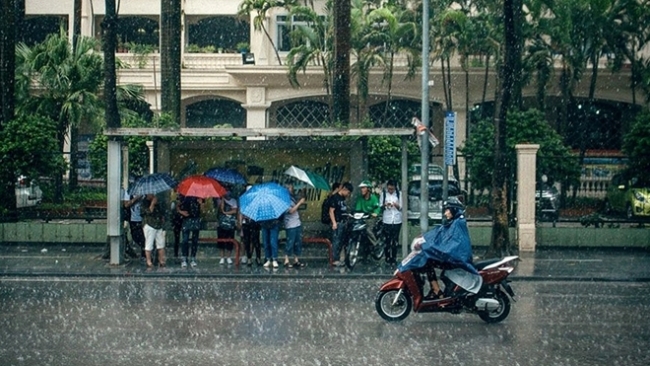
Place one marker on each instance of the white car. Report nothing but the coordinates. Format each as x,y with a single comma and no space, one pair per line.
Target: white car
27,194
435,196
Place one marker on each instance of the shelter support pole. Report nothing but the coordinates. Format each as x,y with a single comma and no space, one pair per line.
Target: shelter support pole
526,169
404,198
113,226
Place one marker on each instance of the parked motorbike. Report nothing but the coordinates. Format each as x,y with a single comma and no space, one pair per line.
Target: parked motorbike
404,292
358,246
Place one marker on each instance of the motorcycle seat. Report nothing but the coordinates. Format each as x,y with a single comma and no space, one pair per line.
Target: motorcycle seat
484,263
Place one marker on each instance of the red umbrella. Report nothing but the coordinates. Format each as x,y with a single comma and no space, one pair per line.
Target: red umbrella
200,186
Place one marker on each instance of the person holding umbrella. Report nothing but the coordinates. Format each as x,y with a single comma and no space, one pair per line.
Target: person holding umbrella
265,203
190,209
293,228
228,209
154,217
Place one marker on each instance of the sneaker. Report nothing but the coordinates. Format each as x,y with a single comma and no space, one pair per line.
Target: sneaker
267,263
230,260
338,264
193,262
222,261
244,260
275,264
184,263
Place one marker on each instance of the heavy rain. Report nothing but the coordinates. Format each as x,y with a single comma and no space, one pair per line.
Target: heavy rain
324,182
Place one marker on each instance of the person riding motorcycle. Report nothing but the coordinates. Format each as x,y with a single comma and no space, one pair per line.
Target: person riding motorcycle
448,244
368,203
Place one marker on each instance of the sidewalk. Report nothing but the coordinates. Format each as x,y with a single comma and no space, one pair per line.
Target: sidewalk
53,260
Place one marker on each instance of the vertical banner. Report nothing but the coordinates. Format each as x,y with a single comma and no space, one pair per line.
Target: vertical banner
450,138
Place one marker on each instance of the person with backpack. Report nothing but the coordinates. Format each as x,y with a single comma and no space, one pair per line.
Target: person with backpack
337,207
391,219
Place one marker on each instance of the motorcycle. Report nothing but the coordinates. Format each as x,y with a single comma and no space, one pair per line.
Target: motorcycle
358,244
404,292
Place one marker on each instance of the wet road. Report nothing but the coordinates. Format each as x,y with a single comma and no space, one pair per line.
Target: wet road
69,321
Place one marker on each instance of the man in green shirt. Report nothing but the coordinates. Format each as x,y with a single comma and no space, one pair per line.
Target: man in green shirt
368,203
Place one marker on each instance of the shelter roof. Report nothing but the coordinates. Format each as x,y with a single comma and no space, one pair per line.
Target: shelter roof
256,132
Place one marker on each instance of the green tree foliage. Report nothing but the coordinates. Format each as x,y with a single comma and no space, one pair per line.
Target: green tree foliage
554,158
138,151
636,145
28,146
385,157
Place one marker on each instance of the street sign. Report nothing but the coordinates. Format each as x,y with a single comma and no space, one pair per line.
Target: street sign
450,138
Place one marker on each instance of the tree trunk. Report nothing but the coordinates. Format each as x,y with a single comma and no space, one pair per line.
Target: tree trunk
510,71
7,101
109,26
73,181
341,77
170,54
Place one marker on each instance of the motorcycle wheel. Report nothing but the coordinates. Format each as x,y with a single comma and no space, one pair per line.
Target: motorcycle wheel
391,308
377,251
500,313
352,252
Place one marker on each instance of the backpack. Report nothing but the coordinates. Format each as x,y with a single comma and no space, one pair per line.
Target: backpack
383,196
325,211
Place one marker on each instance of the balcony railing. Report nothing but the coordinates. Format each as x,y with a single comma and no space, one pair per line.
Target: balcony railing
211,61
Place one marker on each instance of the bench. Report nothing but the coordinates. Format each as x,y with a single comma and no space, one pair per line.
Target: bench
234,243
325,241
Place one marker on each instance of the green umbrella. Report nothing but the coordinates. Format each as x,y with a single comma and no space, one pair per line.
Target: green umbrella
313,179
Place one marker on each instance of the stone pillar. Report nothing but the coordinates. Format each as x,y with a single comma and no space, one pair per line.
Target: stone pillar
151,156
256,109
526,169
114,202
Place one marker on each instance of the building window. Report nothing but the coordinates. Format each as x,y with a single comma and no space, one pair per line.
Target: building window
286,24
213,112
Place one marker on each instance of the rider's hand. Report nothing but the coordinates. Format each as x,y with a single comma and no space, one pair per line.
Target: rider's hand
417,246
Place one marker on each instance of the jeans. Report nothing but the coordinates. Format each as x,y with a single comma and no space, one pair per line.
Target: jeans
251,239
294,241
270,239
337,238
391,240
195,243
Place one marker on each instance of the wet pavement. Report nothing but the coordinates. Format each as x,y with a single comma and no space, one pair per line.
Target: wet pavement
584,264
80,321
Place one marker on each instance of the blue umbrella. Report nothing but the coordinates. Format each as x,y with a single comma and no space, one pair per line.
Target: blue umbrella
266,201
153,184
226,175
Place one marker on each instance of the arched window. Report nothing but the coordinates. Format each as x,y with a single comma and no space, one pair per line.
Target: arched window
399,113
302,114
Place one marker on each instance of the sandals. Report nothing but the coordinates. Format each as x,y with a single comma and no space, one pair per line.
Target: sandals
434,295
298,264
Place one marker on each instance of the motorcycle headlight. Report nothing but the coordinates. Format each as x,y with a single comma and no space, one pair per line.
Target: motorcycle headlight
638,196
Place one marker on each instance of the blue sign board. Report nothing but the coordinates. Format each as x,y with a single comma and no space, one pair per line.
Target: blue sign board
450,138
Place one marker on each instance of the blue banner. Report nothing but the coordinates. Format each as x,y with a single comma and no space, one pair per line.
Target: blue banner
450,138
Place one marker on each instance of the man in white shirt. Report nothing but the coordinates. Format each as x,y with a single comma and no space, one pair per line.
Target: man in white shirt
391,219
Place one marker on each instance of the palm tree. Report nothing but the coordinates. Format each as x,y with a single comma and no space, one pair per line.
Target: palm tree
391,29
311,44
367,54
260,8
69,82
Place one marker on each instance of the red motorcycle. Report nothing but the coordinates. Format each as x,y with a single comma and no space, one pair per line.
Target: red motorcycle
404,292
